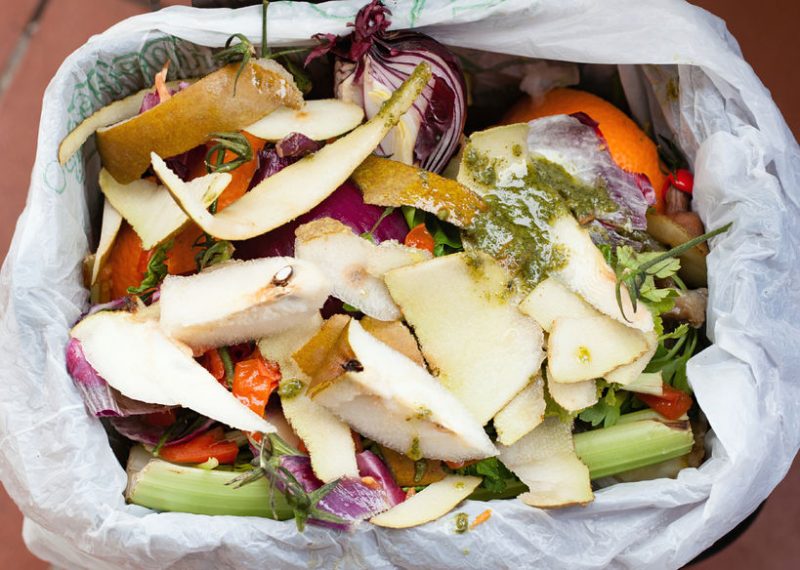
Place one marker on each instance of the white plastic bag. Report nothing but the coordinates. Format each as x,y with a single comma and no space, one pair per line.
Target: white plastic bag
55,460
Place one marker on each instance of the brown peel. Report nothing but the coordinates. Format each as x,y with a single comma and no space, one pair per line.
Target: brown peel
396,335
674,233
385,182
189,117
404,469
324,357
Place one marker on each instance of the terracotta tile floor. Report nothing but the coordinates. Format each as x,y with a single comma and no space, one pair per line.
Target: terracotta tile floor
35,36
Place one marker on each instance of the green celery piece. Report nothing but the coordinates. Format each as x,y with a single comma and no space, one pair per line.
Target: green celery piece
631,444
164,486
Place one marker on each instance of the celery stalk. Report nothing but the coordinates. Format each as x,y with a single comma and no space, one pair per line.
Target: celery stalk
632,444
164,486
646,414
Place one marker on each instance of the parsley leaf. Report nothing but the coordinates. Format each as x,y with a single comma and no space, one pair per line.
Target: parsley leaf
496,476
608,408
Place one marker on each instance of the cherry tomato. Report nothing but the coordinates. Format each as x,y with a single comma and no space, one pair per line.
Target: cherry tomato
671,404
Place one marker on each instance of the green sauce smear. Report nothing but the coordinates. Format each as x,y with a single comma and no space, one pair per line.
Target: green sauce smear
516,228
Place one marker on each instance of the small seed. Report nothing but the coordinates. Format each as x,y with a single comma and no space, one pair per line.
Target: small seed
282,277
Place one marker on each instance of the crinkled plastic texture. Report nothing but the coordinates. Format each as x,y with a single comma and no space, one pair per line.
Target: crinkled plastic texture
55,460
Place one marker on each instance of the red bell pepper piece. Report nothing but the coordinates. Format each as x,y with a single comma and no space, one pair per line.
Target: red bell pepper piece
212,362
254,379
202,448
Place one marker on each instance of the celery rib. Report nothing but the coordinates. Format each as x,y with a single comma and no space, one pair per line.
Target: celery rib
164,486
632,444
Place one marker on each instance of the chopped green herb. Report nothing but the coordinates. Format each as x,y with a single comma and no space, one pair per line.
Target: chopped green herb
462,523
496,476
636,271
156,271
420,467
609,406
290,387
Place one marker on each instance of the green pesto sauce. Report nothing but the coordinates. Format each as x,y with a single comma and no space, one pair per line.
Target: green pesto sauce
582,199
290,387
482,168
516,228
414,452
462,523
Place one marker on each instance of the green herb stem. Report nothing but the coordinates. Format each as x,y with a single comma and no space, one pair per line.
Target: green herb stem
684,247
236,143
634,278
232,53
227,364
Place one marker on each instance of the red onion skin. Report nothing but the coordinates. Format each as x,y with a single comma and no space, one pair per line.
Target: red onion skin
388,57
137,430
370,465
345,205
101,399
350,500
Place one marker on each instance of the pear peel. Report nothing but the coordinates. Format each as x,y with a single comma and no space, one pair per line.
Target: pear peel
480,347
112,113
574,397
319,120
150,209
355,266
191,116
522,414
109,228
298,188
137,358
433,502
417,415
546,461
385,182
241,300
585,348
550,300
328,439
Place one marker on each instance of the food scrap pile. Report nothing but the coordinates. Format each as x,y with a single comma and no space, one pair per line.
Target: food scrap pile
351,308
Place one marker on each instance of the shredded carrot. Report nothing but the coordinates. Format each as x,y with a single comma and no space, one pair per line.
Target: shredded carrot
481,518
371,482
161,83
213,363
411,492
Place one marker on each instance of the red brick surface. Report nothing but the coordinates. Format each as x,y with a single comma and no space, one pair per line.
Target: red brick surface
12,26
766,31
65,25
